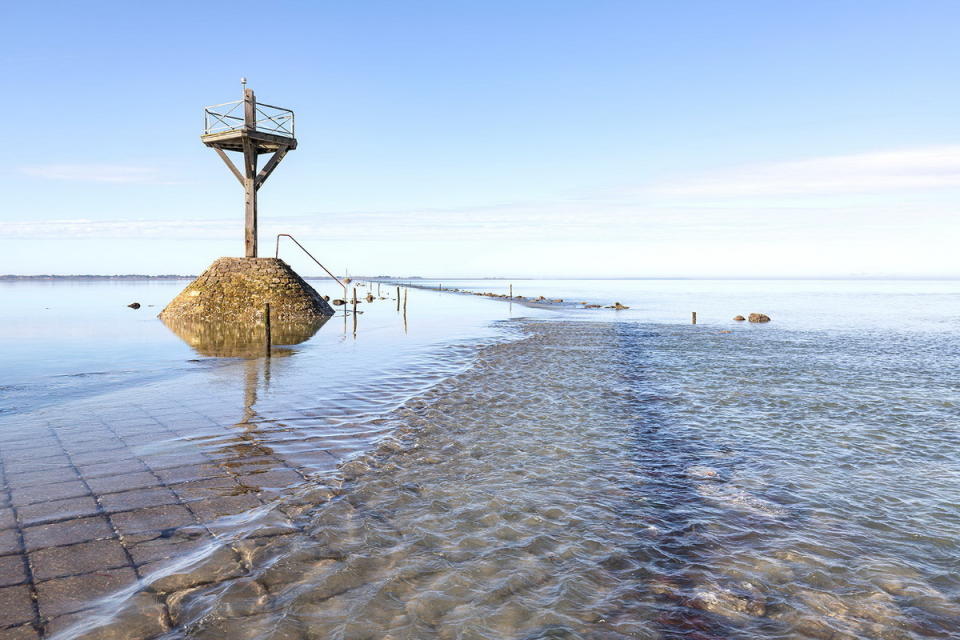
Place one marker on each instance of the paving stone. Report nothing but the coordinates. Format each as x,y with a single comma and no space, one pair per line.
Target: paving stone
43,476
56,562
61,533
23,632
142,616
211,487
16,606
188,473
24,447
46,492
176,459
213,508
100,469
274,479
124,482
7,519
102,440
66,595
99,456
152,519
137,499
21,464
12,570
153,549
9,541
57,510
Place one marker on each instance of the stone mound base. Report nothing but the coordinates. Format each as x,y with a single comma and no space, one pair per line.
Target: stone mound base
238,288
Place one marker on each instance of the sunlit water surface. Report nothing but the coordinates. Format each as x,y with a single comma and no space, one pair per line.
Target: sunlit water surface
508,471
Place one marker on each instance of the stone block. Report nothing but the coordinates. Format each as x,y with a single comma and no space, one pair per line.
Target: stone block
16,605
69,532
66,595
152,519
86,557
54,510
12,570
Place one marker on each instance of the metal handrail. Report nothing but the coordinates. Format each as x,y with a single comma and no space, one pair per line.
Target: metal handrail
277,255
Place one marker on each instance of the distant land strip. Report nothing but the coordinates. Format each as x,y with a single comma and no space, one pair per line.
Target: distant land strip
128,276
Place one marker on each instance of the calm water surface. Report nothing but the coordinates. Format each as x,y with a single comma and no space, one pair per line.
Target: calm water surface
492,470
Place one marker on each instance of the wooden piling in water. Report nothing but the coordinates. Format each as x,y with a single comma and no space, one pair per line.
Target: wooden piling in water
398,298
354,313
267,338
693,317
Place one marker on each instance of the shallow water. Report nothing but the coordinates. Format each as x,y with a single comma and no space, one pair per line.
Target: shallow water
584,474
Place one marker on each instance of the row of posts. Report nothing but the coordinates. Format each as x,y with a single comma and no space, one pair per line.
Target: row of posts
268,340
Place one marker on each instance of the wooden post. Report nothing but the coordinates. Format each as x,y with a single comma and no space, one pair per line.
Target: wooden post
693,317
354,312
398,298
354,296
268,339
406,294
250,175
511,291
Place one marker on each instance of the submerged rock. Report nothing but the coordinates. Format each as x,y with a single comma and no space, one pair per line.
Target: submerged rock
338,302
134,305
743,600
739,318
617,306
759,317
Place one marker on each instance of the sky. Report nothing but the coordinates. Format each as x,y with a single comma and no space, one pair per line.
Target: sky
673,138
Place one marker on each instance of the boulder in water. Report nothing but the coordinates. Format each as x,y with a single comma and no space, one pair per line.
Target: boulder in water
739,318
759,317
134,305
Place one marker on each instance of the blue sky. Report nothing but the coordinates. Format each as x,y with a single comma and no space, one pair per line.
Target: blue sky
672,138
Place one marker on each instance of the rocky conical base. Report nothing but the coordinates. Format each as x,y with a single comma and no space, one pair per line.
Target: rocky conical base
239,288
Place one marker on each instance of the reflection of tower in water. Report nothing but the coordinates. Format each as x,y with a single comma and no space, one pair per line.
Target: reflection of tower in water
236,339
233,339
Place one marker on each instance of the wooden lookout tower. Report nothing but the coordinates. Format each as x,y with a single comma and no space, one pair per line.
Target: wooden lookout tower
253,129
237,289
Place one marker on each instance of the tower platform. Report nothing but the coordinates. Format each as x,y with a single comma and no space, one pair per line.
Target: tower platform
262,142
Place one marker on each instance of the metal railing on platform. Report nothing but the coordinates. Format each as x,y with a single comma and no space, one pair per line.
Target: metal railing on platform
304,249
220,118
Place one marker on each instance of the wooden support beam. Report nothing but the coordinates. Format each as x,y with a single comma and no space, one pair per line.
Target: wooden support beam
226,159
250,198
270,166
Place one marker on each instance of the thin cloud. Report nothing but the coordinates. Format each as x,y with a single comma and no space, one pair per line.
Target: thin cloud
864,173
105,173
83,228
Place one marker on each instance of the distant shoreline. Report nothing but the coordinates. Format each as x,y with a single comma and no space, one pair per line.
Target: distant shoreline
402,280
132,276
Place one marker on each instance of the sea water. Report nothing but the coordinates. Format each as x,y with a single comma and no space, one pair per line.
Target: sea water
506,471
